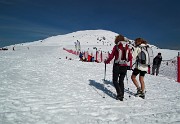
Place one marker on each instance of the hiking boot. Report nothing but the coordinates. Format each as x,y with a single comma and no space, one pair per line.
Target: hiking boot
138,92
142,95
118,97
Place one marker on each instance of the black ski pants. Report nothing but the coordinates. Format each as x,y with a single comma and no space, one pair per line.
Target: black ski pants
119,72
155,68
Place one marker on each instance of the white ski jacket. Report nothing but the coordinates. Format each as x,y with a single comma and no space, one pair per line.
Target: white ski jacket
135,53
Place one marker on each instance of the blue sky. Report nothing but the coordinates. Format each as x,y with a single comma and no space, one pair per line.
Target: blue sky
157,21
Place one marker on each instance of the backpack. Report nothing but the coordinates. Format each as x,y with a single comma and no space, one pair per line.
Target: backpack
145,57
123,54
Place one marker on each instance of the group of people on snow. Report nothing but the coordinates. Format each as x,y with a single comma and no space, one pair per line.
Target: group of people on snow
122,55
89,58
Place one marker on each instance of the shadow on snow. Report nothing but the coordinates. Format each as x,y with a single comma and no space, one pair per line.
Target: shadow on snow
103,88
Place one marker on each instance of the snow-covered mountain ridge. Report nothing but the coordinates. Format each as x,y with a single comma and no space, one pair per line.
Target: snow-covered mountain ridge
87,37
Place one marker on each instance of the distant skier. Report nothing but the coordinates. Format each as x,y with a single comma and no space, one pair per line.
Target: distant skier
123,56
140,67
156,64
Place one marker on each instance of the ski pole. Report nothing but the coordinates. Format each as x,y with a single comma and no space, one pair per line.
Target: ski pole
105,72
128,84
127,80
104,80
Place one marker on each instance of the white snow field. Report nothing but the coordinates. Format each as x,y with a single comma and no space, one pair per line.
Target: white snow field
40,86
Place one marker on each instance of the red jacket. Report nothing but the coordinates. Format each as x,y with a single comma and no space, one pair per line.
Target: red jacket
115,53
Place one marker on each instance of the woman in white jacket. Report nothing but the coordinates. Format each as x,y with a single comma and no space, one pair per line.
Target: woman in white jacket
140,69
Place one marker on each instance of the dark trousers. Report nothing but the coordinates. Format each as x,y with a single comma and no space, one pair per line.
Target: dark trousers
155,68
119,72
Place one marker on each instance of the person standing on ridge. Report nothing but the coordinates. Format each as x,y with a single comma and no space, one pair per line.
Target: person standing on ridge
123,56
140,68
156,64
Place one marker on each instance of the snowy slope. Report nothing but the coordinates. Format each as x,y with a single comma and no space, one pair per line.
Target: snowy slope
40,86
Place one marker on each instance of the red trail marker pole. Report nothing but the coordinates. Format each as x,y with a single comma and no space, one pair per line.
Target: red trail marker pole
178,67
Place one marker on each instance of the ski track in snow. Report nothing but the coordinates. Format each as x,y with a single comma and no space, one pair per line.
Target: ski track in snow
40,86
